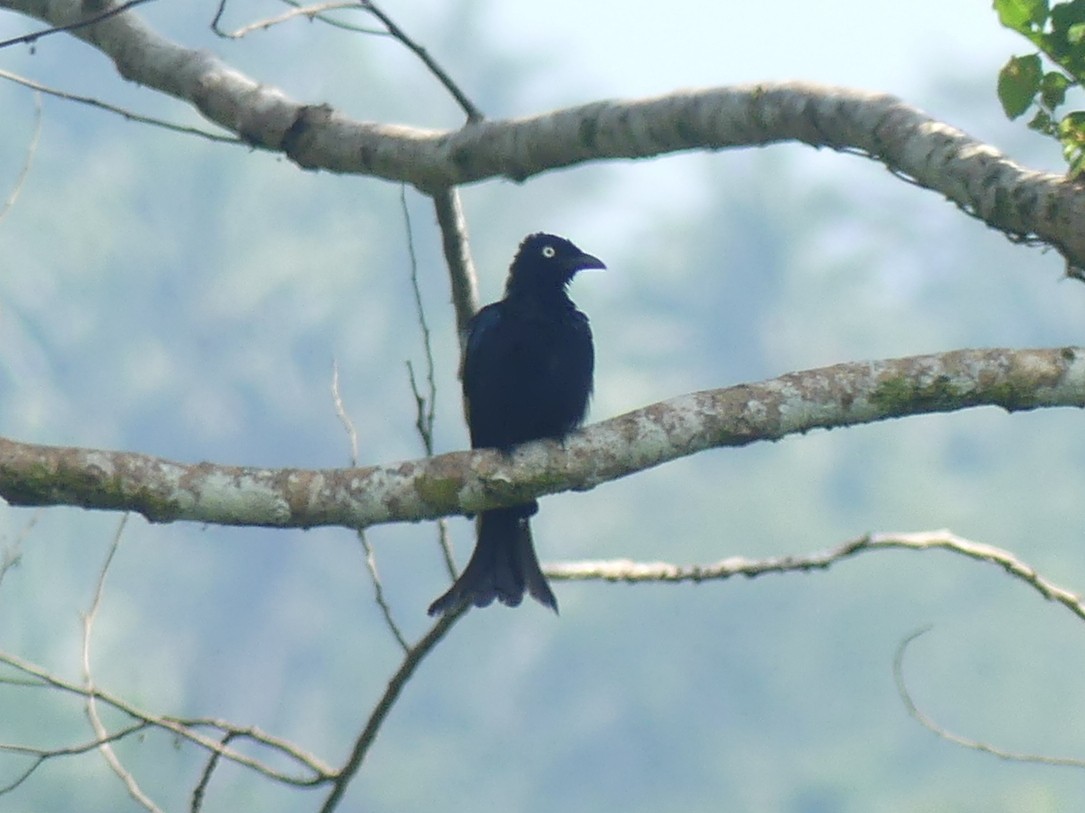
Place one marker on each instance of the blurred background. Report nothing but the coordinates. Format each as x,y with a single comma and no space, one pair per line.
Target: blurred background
165,294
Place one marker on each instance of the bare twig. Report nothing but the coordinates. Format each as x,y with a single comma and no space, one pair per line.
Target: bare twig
24,172
120,111
367,547
627,570
378,592
341,414
205,777
11,553
630,571
425,405
105,747
183,729
337,23
473,113
976,745
257,735
42,755
312,11
113,11
10,556
945,540
414,658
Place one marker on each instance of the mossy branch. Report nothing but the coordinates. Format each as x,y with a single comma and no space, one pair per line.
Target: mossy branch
466,482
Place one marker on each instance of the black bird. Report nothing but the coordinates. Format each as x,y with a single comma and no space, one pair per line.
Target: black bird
527,374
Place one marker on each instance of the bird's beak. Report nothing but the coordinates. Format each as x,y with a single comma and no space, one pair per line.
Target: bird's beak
584,262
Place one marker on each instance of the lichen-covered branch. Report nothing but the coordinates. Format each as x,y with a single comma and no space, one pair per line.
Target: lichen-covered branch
459,482
974,175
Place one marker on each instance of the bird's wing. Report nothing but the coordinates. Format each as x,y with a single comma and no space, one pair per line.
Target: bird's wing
480,359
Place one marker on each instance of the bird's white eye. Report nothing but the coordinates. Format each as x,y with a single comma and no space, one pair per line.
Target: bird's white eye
548,252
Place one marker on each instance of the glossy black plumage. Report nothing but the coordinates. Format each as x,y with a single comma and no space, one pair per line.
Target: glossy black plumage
527,374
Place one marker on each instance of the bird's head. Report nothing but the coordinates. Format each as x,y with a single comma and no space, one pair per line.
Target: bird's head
547,261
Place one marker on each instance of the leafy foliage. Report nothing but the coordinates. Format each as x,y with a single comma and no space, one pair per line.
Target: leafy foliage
1058,31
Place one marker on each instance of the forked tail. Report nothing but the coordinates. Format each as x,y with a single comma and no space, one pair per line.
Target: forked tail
502,566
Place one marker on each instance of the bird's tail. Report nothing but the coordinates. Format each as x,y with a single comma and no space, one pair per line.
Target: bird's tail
502,566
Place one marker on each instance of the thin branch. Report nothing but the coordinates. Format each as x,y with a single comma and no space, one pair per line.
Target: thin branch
10,557
24,172
343,416
90,705
411,662
42,755
473,113
120,111
976,745
457,250
367,547
378,592
629,571
29,39
11,554
944,540
319,772
259,736
336,23
311,12
200,790
425,405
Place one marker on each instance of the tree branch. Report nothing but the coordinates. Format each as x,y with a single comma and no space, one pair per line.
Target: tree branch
628,571
467,482
461,268
129,115
975,176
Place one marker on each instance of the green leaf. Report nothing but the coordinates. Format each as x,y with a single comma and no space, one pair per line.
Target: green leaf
1066,14
1072,129
1066,22
1072,135
1053,89
1064,44
1022,15
1018,84
1042,123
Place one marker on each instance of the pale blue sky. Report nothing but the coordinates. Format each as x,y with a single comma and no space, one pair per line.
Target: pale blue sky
640,48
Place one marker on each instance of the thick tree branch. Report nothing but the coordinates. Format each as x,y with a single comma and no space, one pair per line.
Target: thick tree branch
842,395
975,176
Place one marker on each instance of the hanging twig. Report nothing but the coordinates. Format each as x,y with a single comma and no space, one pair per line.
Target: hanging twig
105,747
24,172
976,745
367,547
